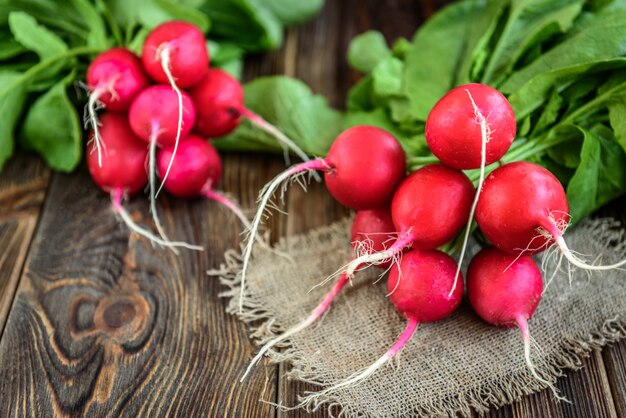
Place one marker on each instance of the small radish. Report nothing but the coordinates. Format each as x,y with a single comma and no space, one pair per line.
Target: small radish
470,127
523,210
419,290
195,172
114,78
219,99
454,129
428,209
153,118
124,172
505,291
175,52
364,166
372,229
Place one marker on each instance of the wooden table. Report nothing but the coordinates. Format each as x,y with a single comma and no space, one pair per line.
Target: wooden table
94,322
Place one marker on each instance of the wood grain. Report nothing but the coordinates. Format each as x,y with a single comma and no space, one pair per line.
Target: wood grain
22,190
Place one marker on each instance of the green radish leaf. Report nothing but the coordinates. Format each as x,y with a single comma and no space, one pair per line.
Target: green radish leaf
387,78
429,73
479,38
597,47
290,12
244,22
367,50
360,95
35,37
601,175
12,97
52,128
291,106
549,114
97,32
530,22
151,13
413,144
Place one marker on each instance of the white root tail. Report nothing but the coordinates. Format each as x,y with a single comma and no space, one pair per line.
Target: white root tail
485,132
523,326
92,107
264,198
369,371
163,54
116,199
314,316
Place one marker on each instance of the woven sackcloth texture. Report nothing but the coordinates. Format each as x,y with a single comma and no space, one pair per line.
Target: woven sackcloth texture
448,367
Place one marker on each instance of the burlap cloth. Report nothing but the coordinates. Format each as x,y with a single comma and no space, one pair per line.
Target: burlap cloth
448,367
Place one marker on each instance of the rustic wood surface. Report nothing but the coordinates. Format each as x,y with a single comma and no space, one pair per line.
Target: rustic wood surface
94,322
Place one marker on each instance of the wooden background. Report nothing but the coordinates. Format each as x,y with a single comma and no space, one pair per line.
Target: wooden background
94,322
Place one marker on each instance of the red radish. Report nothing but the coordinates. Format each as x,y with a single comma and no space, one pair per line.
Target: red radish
428,209
523,210
153,115
419,289
372,229
362,170
219,99
124,170
175,52
153,118
453,127
505,291
114,78
472,126
195,172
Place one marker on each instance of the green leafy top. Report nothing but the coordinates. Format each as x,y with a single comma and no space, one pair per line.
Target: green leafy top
45,46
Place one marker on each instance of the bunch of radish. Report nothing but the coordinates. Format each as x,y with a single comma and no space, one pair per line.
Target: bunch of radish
520,207
158,110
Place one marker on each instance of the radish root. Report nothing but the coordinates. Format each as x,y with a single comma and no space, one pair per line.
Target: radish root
264,198
485,133
314,316
523,326
163,54
556,229
360,376
116,200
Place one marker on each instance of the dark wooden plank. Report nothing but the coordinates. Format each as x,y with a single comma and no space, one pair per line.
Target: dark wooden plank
615,360
106,325
23,184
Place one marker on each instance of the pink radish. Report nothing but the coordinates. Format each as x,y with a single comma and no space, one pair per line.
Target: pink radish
419,289
362,170
124,170
153,118
219,99
175,52
372,229
428,209
505,291
470,127
195,172
114,78
523,210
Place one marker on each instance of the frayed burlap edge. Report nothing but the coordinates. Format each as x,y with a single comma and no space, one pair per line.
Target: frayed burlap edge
494,394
